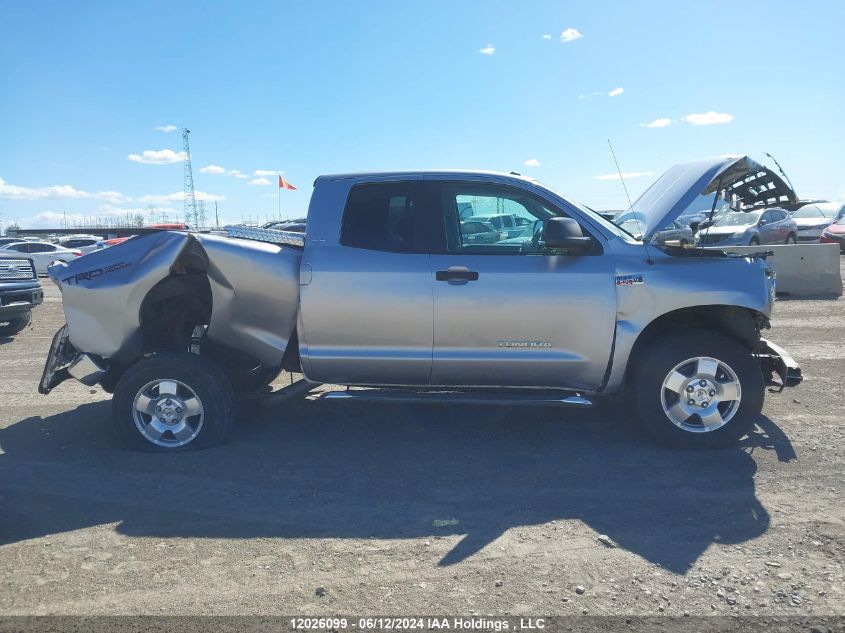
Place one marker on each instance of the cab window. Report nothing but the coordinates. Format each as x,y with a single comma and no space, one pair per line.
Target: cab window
382,217
493,219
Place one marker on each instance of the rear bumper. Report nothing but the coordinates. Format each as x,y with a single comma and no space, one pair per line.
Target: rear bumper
775,361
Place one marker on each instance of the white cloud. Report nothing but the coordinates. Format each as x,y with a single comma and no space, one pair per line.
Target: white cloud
662,122
212,169
238,174
166,128
157,157
532,162
628,175
546,36
708,118
590,95
615,92
259,181
266,172
488,50
179,197
16,192
570,35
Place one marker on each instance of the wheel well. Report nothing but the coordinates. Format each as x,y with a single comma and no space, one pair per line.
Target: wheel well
169,314
741,324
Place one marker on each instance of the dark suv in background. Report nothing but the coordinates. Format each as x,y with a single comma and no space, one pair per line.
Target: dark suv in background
20,291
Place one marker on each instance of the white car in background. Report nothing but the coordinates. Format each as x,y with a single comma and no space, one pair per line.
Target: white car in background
84,243
43,254
812,219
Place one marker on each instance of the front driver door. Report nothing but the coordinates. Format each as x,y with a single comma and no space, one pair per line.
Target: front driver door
511,313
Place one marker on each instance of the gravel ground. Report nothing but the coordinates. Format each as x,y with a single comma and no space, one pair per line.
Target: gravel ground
324,507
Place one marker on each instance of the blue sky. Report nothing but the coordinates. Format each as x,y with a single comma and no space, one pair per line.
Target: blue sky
318,87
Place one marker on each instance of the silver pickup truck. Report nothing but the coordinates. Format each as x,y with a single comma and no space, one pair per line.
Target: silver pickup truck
385,291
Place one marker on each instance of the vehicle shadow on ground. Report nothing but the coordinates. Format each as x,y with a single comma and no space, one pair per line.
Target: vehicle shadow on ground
388,471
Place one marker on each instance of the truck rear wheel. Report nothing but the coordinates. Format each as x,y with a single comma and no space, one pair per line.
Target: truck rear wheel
13,326
172,401
699,390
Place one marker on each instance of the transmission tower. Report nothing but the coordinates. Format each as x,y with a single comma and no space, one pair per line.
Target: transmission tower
190,198
200,215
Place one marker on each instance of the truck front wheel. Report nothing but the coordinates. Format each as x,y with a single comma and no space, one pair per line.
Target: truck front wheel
172,401
699,390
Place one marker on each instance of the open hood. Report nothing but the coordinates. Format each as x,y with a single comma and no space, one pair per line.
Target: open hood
739,180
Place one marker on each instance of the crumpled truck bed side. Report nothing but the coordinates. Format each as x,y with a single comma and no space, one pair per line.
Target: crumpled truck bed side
254,287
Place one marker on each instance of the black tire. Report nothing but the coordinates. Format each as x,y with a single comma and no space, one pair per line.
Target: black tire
668,352
205,379
754,242
13,326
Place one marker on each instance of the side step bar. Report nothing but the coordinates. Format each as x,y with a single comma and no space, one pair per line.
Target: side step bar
542,399
299,388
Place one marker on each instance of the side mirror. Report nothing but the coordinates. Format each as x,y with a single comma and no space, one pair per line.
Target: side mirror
565,233
694,225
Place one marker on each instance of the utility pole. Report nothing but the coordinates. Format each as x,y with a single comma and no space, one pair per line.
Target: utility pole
190,198
216,217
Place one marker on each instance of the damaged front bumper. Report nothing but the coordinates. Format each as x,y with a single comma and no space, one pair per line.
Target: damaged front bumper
776,361
65,362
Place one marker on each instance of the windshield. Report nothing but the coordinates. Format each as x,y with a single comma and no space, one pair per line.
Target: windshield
738,219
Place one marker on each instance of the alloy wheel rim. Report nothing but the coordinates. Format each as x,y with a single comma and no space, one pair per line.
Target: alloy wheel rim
168,413
701,394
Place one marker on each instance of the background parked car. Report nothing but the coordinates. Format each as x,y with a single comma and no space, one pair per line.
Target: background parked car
108,243
505,223
42,253
814,218
478,232
84,243
835,233
740,228
20,291
675,234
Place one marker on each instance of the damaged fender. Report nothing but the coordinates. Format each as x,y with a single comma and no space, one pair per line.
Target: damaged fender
254,288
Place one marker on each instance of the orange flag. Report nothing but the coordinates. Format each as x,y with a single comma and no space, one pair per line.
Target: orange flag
284,184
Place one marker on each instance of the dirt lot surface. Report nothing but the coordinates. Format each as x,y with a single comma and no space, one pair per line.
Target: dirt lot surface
325,507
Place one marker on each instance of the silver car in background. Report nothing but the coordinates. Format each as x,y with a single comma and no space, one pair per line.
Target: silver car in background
752,228
812,219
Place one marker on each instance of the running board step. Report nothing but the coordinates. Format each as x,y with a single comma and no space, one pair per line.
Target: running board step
543,399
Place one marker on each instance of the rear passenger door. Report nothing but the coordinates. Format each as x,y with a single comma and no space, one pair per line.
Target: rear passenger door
768,228
784,226
42,255
365,298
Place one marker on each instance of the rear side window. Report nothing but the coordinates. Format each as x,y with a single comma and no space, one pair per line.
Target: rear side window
382,217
